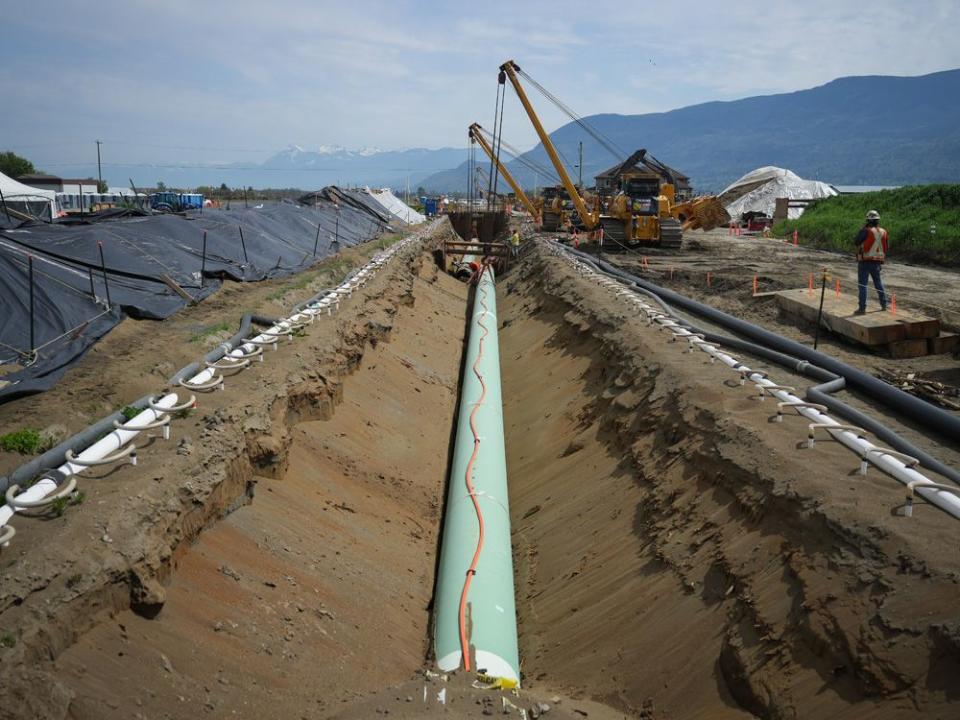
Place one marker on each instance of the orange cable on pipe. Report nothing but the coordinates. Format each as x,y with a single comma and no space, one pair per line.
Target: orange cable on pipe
472,570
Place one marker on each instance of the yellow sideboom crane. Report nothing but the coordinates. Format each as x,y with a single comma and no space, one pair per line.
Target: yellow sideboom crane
476,134
590,220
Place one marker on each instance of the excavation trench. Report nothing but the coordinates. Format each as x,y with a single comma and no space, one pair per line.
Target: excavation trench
675,554
318,587
678,555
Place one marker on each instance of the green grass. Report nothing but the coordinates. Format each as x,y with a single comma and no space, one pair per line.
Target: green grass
299,283
25,442
209,331
923,222
8,640
129,413
333,269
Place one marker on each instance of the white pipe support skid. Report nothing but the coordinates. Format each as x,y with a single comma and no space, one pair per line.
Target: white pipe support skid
902,469
762,388
782,405
830,427
908,460
925,485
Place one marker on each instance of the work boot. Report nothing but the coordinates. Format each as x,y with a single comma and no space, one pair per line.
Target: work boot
860,311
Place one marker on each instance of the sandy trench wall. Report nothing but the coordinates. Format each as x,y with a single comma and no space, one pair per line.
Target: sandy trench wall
118,551
675,553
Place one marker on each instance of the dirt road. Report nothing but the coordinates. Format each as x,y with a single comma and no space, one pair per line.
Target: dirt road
733,262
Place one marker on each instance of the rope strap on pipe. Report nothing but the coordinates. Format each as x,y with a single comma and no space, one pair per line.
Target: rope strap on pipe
468,480
127,451
232,364
216,382
830,427
14,490
188,405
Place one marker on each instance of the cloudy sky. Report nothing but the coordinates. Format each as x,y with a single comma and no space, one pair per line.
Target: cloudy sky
212,81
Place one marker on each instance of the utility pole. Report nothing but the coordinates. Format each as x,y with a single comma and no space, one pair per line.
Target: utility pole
99,173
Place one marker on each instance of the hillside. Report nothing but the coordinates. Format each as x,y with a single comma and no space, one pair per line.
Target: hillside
923,222
854,130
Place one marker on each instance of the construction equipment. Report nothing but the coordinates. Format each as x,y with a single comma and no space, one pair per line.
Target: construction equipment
645,211
641,212
476,135
555,205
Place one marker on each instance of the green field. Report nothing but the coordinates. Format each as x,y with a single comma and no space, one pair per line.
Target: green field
923,222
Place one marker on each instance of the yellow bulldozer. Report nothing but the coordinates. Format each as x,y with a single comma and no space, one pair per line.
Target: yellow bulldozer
645,210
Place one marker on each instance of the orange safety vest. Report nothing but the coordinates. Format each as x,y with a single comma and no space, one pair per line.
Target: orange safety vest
874,246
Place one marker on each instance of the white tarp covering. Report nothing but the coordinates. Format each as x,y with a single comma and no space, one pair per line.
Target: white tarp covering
20,196
396,207
758,190
15,190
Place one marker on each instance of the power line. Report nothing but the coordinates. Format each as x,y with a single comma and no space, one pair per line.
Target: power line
608,144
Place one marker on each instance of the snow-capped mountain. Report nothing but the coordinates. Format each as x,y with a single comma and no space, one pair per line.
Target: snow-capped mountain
295,166
299,167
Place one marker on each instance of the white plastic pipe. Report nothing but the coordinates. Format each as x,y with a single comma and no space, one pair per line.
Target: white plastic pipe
119,438
943,496
105,446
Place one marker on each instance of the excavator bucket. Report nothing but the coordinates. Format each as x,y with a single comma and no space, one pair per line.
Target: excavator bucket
702,213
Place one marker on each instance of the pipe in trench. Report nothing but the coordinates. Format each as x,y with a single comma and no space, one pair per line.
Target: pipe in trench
475,592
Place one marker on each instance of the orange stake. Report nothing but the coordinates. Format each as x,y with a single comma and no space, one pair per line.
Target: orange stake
754,285
795,237
810,285
838,287
708,279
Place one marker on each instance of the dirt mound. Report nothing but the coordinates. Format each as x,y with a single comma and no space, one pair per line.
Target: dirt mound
674,548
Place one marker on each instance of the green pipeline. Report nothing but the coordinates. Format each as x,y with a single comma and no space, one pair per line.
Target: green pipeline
490,613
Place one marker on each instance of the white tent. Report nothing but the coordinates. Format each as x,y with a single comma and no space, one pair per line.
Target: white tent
758,190
30,200
396,207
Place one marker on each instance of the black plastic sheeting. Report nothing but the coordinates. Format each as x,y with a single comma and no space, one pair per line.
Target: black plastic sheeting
141,253
355,199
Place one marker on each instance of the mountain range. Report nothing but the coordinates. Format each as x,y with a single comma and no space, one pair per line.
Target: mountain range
869,130
293,167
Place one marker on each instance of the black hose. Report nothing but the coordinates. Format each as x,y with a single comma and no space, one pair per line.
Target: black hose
931,418
830,382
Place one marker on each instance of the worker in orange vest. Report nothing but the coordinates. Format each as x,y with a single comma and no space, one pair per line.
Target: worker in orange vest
872,242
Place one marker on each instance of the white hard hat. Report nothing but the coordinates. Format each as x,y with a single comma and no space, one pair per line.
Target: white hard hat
873,215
